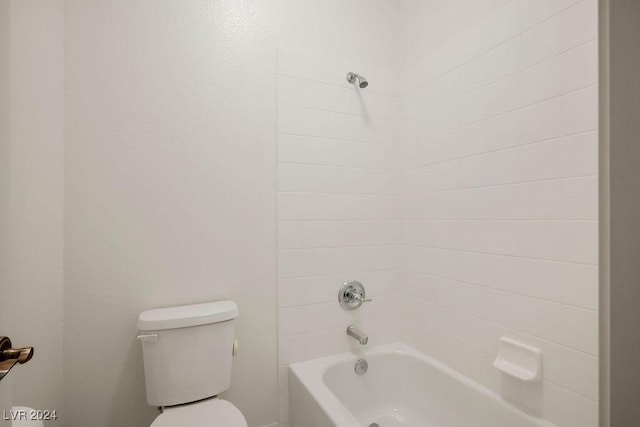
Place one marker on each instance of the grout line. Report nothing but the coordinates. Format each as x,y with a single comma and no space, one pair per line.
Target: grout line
387,94
509,328
333,301
492,254
360,246
339,86
339,220
335,274
338,193
496,219
485,220
559,139
501,113
485,287
508,184
384,245
337,139
370,322
343,141
495,46
506,76
364,116
471,347
337,166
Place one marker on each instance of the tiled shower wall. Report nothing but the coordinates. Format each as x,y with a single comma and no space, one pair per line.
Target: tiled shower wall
465,199
337,185
498,199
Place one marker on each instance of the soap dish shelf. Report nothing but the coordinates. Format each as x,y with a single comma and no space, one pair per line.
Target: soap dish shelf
519,360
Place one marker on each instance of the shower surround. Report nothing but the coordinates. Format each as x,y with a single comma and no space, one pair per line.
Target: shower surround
460,189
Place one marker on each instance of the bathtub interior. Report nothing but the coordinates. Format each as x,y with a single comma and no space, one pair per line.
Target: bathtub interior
402,388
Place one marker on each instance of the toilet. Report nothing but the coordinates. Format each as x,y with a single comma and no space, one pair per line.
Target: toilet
188,352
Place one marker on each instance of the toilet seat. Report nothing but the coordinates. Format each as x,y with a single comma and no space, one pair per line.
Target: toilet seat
207,413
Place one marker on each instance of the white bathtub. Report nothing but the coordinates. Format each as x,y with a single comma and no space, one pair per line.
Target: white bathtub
402,387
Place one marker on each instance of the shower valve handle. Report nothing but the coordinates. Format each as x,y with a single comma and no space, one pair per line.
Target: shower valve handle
352,295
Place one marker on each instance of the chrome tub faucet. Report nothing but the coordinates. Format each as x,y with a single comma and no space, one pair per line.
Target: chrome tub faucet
358,335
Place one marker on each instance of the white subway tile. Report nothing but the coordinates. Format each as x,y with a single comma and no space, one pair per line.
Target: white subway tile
543,399
298,348
319,289
578,411
536,11
328,124
569,3
580,285
541,121
541,41
580,198
322,234
322,151
503,96
472,363
309,318
580,329
521,313
314,206
502,131
283,380
504,23
299,92
580,373
579,242
580,67
419,286
532,277
317,261
503,60
539,200
580,156
331,179
478,334
579,24
540,239
314,68
283,409
580,110
540,82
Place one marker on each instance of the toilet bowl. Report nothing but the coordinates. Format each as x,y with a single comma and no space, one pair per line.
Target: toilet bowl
188,353
212,412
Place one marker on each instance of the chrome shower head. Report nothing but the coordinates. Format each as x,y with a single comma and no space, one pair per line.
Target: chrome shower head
353,77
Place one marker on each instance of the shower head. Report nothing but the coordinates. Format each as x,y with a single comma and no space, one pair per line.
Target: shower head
353,77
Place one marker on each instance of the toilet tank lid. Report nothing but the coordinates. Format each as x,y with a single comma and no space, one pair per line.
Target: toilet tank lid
187,315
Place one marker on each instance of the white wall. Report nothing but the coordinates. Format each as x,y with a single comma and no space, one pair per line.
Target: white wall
498,184
6,319
31,195
170,191
6,386
171,177
5,150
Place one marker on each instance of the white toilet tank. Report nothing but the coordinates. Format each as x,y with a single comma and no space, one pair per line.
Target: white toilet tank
187,351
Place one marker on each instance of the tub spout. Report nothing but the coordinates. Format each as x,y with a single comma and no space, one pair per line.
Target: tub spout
358,335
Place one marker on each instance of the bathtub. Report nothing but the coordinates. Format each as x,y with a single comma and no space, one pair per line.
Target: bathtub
402,387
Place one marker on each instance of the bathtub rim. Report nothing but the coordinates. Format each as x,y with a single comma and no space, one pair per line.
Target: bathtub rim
310,374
